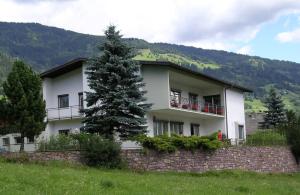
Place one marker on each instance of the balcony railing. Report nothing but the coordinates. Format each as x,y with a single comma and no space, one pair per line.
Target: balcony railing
199,106
64,113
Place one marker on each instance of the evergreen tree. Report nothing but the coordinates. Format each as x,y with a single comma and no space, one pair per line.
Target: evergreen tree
4,116
275,114
116,100
25,102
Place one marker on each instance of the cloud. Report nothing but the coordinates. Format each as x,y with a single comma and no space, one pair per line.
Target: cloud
289,36
246,50
210,24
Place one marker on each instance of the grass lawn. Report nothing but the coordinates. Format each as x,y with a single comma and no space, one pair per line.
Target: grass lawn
62,179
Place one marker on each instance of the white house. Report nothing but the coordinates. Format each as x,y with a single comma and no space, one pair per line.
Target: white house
184,101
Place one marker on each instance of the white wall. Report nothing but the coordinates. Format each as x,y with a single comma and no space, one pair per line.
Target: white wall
157,86
69,83
14,147
235,112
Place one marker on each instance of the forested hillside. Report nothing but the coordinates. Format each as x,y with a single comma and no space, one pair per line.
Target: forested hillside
44,47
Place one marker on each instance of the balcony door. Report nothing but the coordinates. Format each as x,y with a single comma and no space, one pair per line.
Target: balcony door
175,97
193,101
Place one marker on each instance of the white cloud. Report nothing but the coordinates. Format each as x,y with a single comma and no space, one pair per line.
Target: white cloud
289,36
246,50
207,23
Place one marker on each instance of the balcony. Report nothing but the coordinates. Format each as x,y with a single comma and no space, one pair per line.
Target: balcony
70,112
184,103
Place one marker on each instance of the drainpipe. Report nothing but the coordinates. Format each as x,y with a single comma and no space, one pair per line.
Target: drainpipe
225,102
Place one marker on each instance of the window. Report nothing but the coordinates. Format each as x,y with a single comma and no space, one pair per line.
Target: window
195,129
212,100
5,141
241,131
64,131
18,140
176,127
175,98
80,100
63,101
30,139
160,127
193,101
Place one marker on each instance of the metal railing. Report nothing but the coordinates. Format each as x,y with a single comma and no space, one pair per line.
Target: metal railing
186,103
64,113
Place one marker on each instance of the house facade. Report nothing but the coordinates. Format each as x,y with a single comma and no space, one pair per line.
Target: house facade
184,102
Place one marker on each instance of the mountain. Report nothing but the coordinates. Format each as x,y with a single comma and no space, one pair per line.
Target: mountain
44,47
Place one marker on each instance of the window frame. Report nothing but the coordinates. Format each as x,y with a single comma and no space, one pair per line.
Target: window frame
164,123
80,99
173,125
59,102
243,132
175,96
29,141
212,98
16,140
4,143
193,130
64,131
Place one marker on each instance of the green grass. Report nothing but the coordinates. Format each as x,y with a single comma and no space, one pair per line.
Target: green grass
147,54
254,105
60,179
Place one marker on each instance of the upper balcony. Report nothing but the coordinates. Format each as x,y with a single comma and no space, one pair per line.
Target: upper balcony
65,113
195,104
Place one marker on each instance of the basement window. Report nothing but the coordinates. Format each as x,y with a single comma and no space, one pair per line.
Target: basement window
64,131
5,141
18,140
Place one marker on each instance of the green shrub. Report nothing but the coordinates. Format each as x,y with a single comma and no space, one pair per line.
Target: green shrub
292,130
266,137
164,143
59,143
101,152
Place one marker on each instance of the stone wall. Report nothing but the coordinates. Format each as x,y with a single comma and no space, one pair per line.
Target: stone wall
259,159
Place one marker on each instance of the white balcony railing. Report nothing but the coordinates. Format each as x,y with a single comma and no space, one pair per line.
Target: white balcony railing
64,113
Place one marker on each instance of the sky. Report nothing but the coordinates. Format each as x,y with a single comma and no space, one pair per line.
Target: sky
266,28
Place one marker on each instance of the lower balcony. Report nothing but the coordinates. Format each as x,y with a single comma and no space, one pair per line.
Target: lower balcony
196,106
64,113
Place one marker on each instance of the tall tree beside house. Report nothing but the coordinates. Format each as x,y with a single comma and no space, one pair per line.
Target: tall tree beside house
116,100
275,114
22,90
4,116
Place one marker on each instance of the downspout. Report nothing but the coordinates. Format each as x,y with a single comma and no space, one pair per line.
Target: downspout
225,98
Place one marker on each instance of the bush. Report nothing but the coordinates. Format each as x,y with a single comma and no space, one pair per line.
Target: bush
101,152
59,143
267,137
164,143
292,131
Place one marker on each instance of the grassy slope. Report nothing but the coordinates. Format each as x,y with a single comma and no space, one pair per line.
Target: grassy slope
147,54
37,179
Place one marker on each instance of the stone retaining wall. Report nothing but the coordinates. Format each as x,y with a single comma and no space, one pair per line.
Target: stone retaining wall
259,159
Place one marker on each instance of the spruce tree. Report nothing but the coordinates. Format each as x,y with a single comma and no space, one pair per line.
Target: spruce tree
115,102
25,102
275,114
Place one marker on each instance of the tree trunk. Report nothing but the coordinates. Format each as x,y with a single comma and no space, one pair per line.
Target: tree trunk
22,143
